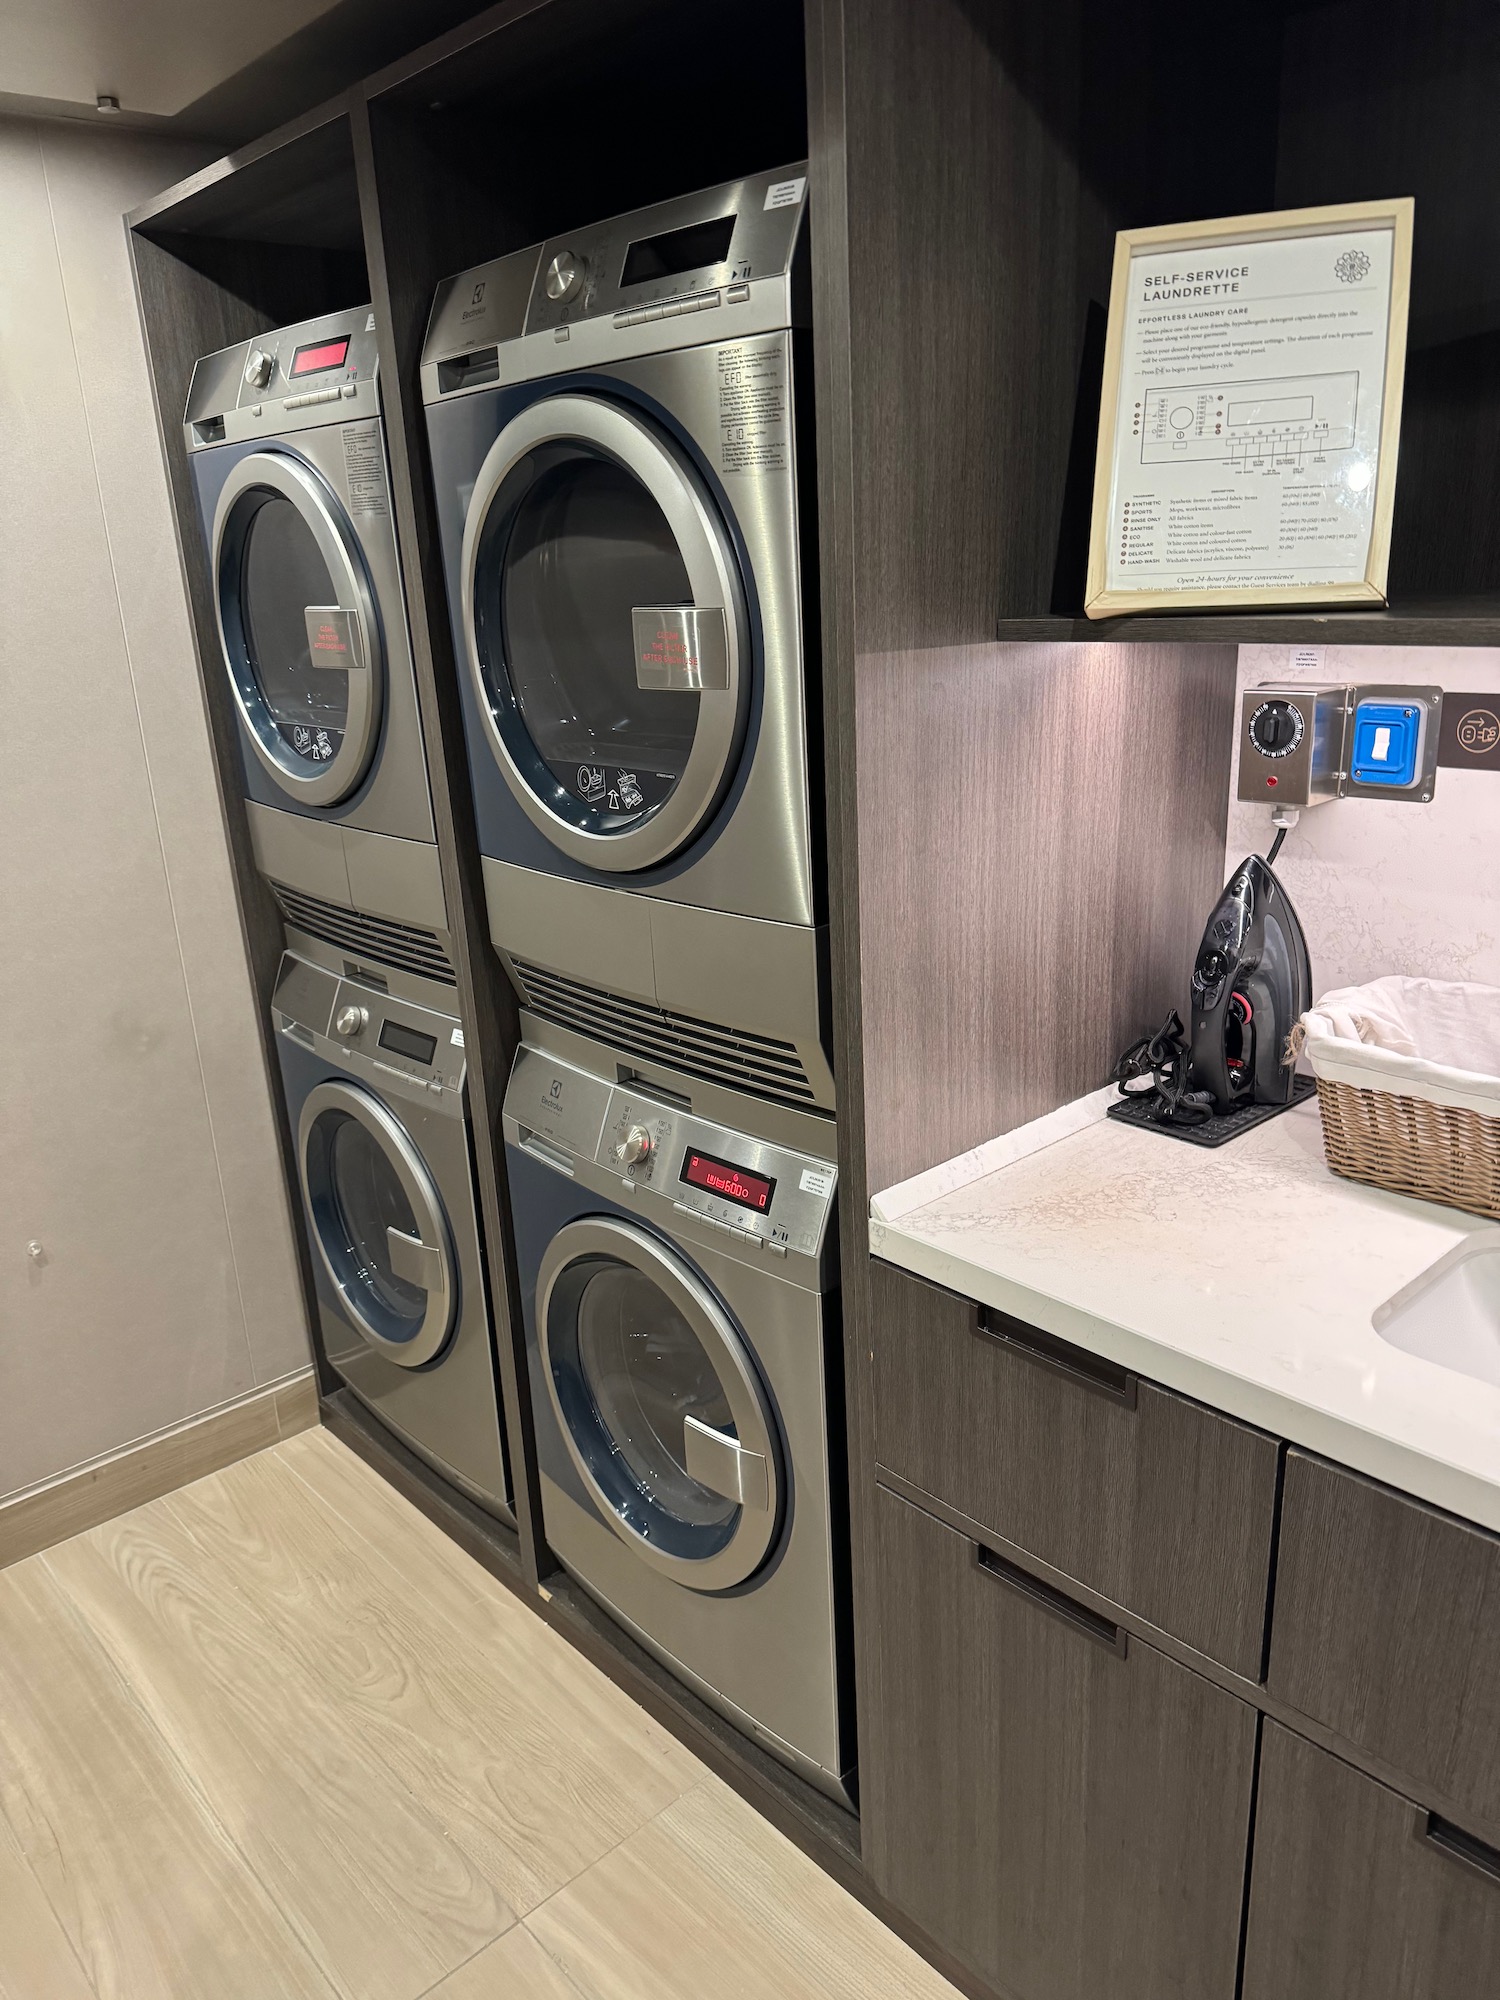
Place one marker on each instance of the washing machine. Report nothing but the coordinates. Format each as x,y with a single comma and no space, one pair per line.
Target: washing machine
287,451
621,484
375,1096
679,1287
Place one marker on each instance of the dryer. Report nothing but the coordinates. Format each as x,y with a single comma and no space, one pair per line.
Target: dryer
613,420
287,452
679,1286
375,1096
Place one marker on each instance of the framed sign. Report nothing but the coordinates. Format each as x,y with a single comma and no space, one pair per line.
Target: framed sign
1252,411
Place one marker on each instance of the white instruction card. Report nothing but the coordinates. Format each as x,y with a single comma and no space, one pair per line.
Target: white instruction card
1250,405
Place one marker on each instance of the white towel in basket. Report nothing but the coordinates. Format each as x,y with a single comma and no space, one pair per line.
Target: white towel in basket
1432,1038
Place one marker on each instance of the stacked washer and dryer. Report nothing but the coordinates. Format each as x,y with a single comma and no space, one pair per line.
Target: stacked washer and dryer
613,427
287,450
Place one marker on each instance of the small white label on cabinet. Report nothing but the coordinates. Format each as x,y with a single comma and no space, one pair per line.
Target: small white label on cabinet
1304,661
458,1038
817,1180
785,194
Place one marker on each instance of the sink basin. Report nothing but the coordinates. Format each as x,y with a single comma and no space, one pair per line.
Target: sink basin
1450,1314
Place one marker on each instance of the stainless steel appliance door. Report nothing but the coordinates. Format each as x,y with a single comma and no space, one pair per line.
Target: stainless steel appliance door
298,626
377,1223
606,631
660,1404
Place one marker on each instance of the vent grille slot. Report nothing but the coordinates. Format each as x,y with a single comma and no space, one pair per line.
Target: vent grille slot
754,1064
405,946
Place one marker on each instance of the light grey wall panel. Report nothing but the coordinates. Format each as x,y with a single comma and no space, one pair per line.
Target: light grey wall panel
135,1135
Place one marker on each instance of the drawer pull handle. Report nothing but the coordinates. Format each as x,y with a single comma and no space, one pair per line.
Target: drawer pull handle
1057,1602
1458,1845
1075,1364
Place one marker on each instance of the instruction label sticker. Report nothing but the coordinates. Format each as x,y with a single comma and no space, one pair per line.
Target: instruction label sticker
364,469
458,1038
817,1180
786,194
753,430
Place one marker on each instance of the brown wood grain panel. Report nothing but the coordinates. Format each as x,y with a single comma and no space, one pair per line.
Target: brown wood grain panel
1387,1629
1041,839
1349,1900
1165,1508
416,224
1067,1821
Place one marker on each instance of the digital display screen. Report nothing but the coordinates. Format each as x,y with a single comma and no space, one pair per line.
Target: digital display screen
722,1177
322,355
678,250
403,1041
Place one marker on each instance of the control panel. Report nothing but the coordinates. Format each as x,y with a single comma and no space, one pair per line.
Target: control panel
395,1042
284,378
1301,746
768,1196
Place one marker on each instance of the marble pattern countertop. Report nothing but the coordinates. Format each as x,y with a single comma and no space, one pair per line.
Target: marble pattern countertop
1244,1277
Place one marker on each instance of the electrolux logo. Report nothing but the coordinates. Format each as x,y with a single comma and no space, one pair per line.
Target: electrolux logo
476,302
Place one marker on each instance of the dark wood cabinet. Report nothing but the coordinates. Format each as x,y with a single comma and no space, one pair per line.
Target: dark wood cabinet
1156,1503
1387,1629
1060,1806
1357,1894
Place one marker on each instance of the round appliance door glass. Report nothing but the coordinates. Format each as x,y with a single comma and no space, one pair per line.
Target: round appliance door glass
298,626
660,1404
606,631
378,1223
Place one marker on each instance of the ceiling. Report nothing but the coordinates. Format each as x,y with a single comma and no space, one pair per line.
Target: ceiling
215,69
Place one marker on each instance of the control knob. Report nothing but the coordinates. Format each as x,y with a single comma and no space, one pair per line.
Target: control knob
259,368
634,1147
564,277
349,1020
1276,728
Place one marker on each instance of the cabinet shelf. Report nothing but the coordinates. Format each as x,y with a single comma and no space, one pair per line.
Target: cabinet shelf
1430,622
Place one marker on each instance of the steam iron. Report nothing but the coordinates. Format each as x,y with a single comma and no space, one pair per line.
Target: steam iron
1252,981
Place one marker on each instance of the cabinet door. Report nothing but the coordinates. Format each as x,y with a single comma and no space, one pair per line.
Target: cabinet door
1387,1629
1157,1503
1356,1894
1064,1811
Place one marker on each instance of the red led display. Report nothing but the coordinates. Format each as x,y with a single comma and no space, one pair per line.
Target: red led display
722,1177
322,355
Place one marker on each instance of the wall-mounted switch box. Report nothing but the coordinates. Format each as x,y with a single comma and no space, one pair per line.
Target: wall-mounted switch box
1292,744
1393,743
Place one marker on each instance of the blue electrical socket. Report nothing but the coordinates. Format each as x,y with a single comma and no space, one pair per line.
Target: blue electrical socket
1387,744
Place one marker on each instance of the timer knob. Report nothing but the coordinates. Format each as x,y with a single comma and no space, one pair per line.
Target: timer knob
1276,727
349,1020
259,368
564,276
634,1147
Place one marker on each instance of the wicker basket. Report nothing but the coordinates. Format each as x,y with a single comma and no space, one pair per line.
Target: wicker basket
1436,1151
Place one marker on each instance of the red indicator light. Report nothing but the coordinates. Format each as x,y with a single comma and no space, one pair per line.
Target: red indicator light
1273,781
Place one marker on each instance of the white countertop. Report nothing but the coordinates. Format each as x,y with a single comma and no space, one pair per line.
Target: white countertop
1243,1276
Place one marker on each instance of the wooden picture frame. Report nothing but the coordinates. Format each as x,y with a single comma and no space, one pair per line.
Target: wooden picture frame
1104,595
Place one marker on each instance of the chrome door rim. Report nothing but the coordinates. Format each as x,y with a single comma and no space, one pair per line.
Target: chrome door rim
295,480
618,434
754,1537
426,1205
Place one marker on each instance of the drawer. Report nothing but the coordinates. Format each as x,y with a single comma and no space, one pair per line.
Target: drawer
1356,1894
1062,1808
1387,1629
1161,1506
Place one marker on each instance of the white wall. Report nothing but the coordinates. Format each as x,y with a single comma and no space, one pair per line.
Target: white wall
1387,887
136,1139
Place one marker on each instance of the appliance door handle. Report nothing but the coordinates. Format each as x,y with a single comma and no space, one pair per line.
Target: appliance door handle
335,637
722,1464
681,646
415,1262
1075,1364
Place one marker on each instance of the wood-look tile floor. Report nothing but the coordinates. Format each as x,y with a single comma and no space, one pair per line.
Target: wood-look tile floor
275,1736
